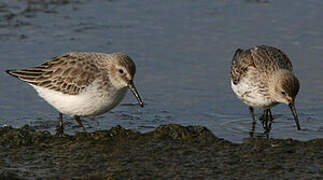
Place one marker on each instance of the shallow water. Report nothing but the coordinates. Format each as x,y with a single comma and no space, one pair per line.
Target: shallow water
182,50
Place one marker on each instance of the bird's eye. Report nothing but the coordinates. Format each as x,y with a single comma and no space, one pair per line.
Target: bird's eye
283,93
120,71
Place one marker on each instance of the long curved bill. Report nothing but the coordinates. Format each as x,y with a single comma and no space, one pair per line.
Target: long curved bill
292,108
134,91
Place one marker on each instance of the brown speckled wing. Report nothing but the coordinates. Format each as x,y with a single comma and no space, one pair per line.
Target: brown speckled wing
69,73
241,62
270,58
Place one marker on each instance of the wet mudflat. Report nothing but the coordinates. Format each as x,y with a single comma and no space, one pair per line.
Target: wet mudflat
169,152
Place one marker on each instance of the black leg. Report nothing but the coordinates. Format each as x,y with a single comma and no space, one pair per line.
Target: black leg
60,129
61,125
268,121
265,124
271,116
262,119
78,119
265,118
251,133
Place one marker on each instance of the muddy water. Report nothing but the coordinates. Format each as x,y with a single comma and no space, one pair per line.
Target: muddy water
183,51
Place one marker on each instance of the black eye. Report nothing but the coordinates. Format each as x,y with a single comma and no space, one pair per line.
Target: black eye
283,92
120,71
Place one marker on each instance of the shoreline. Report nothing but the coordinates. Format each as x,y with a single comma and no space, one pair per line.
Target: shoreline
169,152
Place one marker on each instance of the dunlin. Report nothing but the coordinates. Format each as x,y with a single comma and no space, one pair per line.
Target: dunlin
82,84
263,77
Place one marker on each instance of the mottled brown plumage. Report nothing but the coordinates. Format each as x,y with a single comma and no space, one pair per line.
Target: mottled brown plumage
263,58
263,77
72,72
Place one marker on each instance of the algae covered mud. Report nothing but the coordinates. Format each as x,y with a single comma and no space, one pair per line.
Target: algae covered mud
169,152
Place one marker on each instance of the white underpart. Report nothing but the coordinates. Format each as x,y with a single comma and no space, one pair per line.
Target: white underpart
250,95
89,102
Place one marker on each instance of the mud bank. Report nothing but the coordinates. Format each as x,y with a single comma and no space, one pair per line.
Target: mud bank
168,152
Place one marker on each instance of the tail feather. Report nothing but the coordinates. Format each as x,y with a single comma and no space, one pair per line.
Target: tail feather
236,55
24,75
10,72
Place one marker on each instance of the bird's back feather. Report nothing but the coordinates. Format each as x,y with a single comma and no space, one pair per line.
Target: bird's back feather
69,73
262,58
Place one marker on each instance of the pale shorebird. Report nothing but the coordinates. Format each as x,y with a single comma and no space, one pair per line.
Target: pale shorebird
263,77
82,84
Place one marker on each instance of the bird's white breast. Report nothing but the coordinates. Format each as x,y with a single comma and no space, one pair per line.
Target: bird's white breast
90,102
250,94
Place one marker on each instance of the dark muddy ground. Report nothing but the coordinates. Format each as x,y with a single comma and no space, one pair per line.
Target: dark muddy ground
168,152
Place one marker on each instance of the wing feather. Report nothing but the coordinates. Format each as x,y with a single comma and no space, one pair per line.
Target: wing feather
270,58
69,73
262,58
241,62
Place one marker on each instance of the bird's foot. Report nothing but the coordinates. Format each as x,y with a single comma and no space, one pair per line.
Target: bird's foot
60,132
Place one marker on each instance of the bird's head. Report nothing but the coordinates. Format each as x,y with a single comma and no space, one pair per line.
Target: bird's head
283,88
121,72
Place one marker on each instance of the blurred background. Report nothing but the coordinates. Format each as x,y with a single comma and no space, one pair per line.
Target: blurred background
182,49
